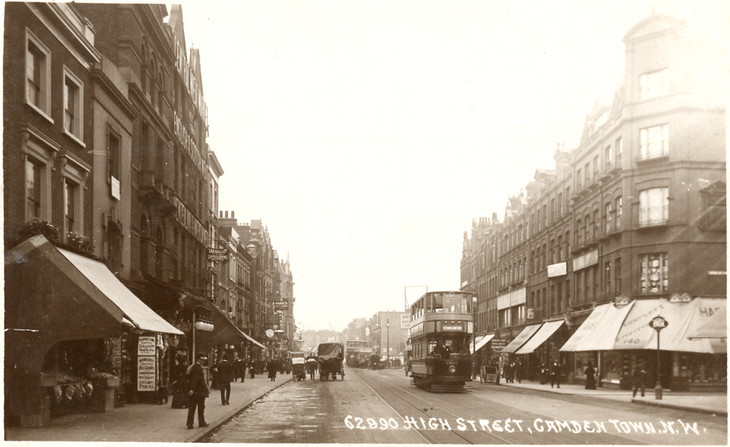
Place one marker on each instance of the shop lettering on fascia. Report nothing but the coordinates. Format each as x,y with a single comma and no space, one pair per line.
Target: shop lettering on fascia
188,220
586,260
559,269
512,298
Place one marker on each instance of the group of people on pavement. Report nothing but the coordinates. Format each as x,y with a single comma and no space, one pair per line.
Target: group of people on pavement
513,370
193,386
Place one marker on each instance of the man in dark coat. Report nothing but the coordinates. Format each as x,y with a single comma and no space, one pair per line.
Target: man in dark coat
197,391
225,377
639,380
272,367
555,374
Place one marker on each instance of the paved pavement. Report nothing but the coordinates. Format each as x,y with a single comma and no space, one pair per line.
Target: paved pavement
703,402
161,423
148,422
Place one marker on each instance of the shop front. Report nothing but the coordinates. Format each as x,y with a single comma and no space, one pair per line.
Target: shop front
542,348
66,315
532,371
616,338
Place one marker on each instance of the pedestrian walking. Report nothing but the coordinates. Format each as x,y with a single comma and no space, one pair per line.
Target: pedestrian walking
519,371
509,372
590,373
555,374
197,391
252,368
639,380
271,367
225,376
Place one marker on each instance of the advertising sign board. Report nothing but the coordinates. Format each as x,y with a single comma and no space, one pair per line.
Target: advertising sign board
146,374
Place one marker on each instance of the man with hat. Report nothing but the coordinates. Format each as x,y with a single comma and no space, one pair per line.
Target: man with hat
197,391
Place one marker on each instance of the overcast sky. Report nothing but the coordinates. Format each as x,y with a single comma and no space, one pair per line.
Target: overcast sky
368,134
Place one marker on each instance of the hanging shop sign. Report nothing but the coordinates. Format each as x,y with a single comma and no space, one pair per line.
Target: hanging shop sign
217,254
280,305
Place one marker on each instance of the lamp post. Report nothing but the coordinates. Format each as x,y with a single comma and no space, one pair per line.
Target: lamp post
387,328
658,323
474,338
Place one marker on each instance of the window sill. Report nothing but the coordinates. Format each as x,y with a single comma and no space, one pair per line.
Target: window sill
39,111
653,160
75,138
654,226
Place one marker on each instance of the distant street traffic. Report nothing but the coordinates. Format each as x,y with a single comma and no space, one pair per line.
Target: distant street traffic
381,406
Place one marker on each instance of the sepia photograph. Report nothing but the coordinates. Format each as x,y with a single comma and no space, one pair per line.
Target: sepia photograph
365,222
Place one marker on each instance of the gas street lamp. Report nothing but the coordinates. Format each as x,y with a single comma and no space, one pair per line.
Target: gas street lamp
658,323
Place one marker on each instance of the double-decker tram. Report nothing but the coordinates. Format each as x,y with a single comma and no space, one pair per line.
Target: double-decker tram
442,325
357,353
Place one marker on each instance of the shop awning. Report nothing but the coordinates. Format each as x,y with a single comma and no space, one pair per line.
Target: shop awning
699,313
715,327
683,319
133,308
586,329
224,330
252,340
546,331
627,327
481,341
47,300
521,338
598,332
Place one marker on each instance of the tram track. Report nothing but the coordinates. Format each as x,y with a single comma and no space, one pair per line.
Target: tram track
431,408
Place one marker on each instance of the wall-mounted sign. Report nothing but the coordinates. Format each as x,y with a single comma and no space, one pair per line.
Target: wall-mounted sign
586,260
280,305
115,188
559,269
146,345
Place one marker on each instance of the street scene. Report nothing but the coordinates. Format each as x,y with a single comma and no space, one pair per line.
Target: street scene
345,222
381,407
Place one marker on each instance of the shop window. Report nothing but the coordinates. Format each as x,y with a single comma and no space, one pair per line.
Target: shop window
654,272
653,206
654,142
